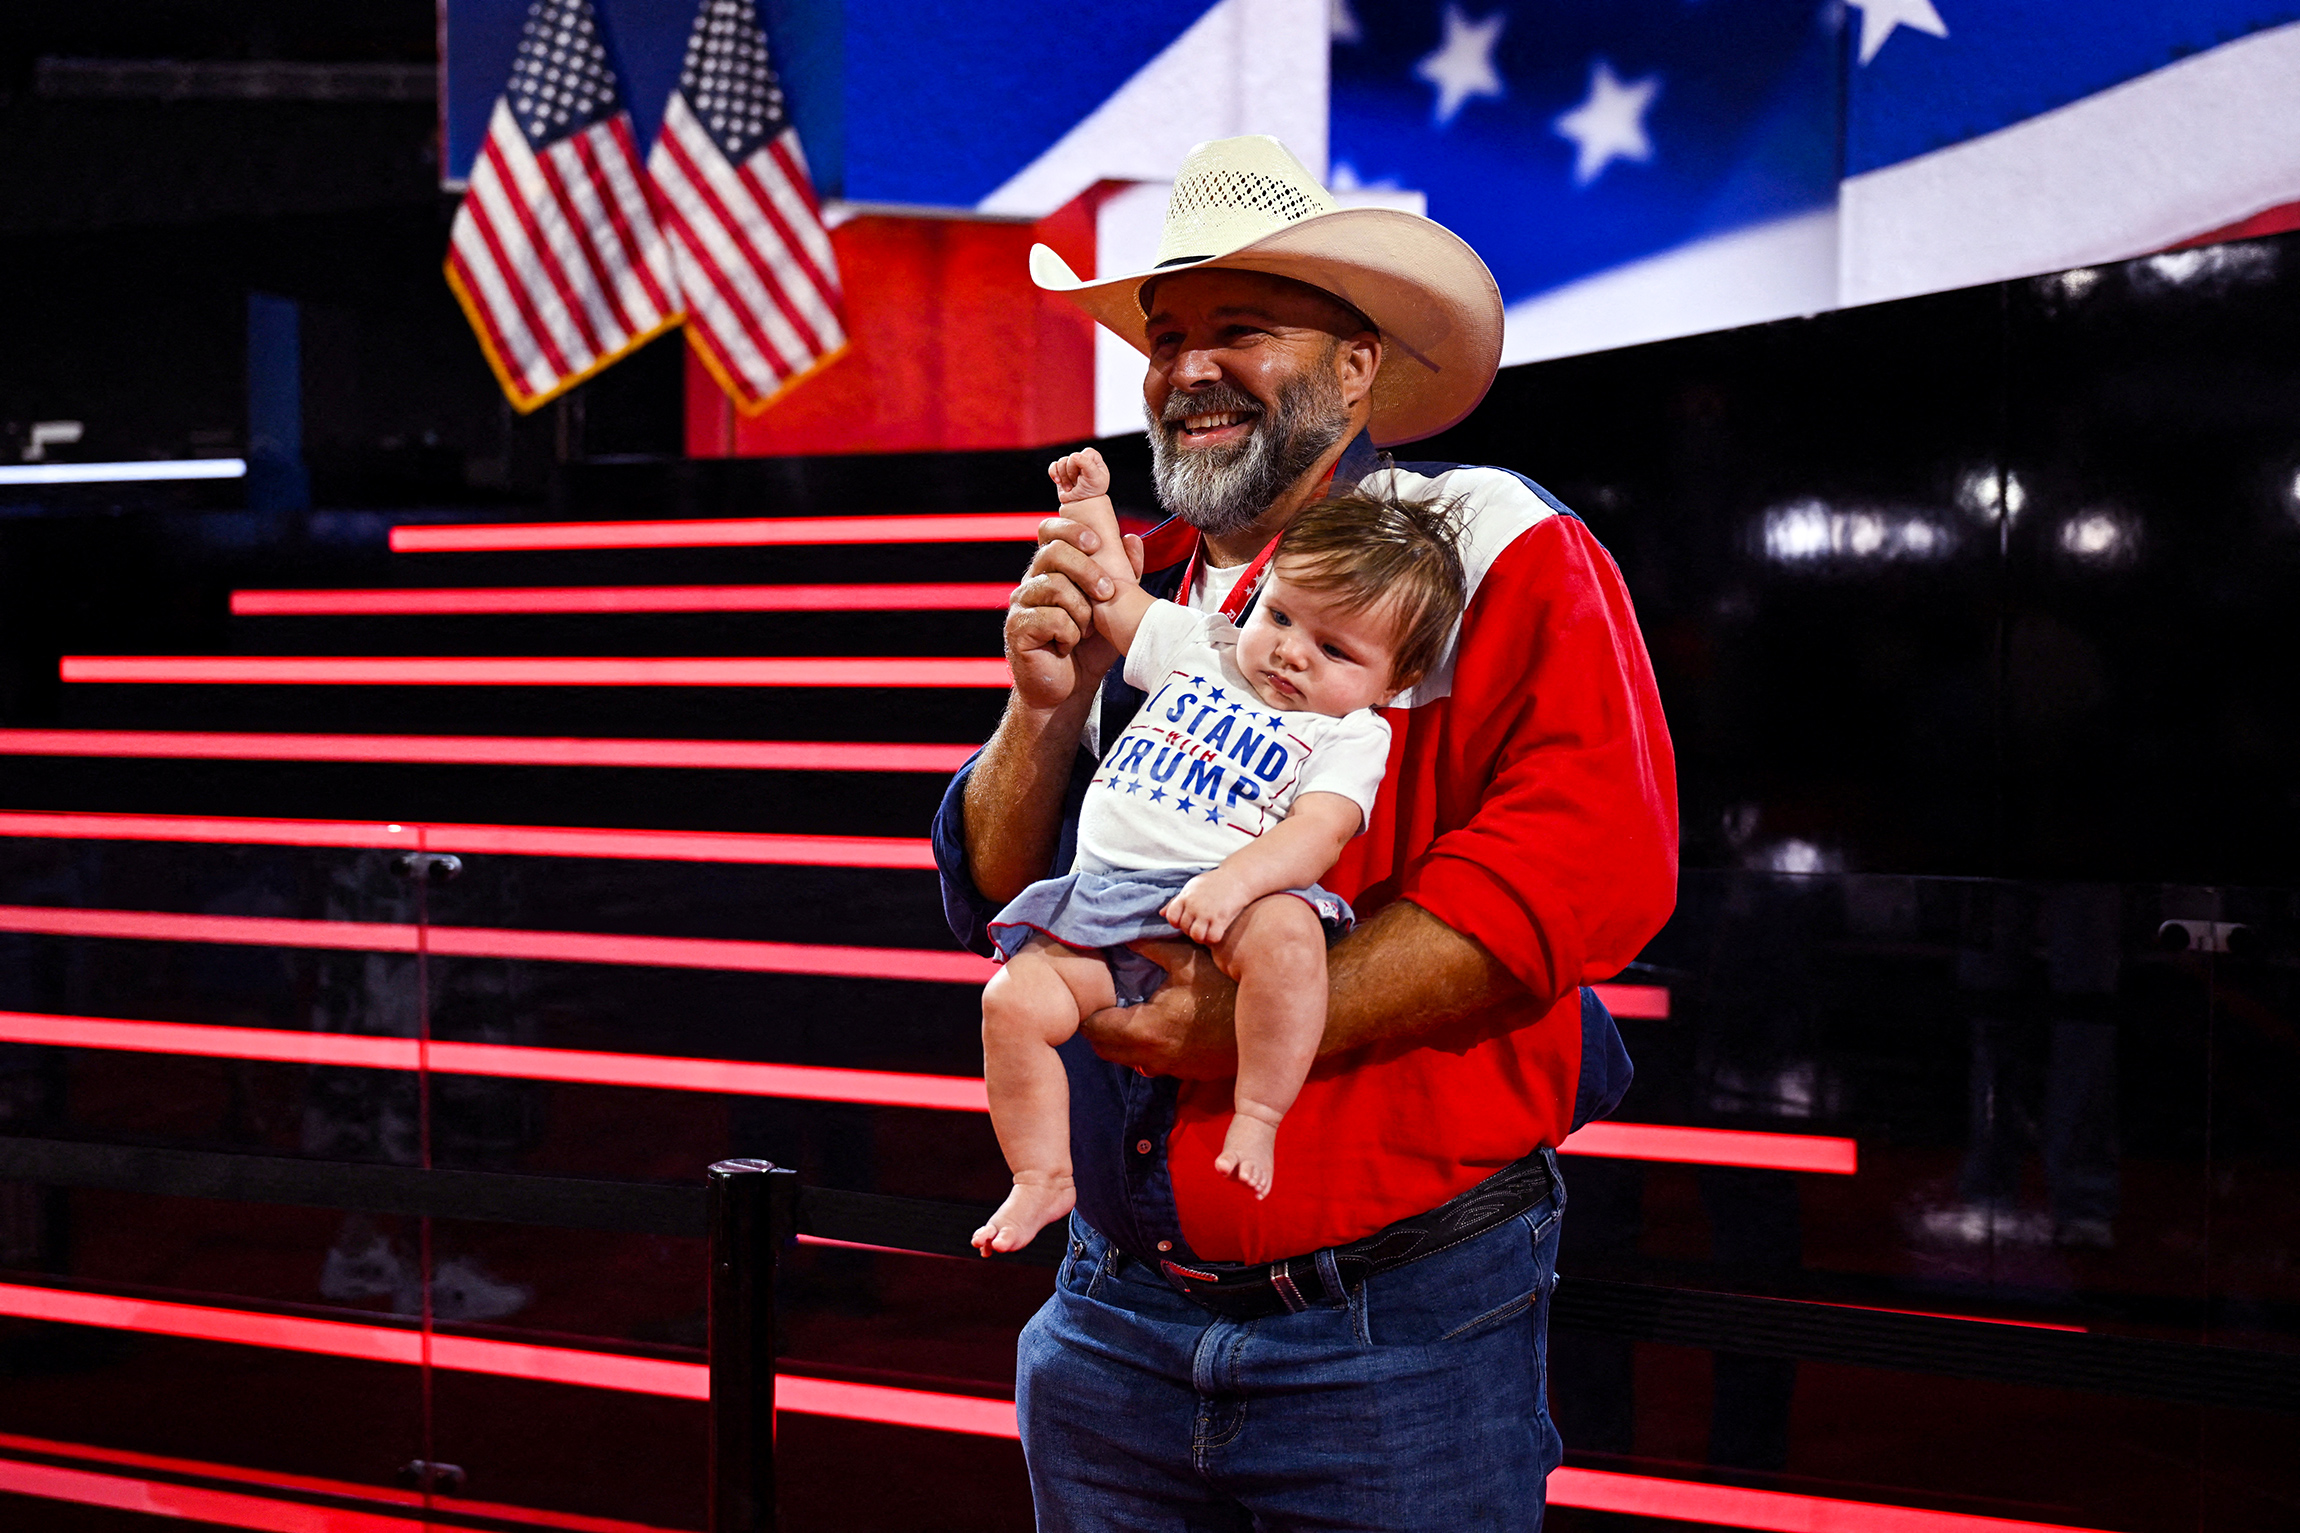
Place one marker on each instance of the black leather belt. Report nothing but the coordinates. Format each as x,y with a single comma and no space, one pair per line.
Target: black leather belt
1248,1291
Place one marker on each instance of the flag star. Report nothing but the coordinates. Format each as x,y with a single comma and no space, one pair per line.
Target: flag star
1184,805
1275,721
1212,818
1610,125
1462,67
1236,707
1197,681
1134,785
1219,694
1880,17
1157,795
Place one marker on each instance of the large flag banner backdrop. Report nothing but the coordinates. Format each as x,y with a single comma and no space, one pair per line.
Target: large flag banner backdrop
1631,171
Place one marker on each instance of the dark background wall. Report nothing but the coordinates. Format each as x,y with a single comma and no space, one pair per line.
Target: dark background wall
1994,582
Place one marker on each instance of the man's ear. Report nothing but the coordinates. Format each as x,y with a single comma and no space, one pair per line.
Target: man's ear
1356,360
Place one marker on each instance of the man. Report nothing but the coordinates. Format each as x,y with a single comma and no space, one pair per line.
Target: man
1365,1348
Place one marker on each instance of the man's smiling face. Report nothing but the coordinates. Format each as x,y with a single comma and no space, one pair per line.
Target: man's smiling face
1252,380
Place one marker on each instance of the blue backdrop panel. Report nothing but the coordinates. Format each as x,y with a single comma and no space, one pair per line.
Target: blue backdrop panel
929,102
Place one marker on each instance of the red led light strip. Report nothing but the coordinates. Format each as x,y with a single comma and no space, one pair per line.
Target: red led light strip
498,942
1715,1147
192,1503
500,1359
276,1481
487,750
754,532
514,840
603,599
818,1083
530,671
950,1093
1934,1314
1771,1511
1647,1002
1595,1490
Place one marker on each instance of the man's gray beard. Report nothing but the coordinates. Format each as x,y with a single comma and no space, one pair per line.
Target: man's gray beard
1225,489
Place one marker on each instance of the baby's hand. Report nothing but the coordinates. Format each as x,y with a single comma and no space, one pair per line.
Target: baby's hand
1206,906
1081,476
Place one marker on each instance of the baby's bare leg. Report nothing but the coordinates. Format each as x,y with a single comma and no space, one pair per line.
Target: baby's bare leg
1031,1006
1276,951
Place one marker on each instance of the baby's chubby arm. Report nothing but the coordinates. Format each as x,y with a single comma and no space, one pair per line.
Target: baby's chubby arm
1298,850
1082,484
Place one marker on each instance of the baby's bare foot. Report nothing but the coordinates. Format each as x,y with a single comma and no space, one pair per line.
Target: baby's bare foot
1249,1153
1029,1208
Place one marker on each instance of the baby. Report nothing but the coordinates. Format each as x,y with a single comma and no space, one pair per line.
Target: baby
1255,758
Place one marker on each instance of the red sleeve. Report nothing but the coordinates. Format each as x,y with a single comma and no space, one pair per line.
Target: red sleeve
1558,782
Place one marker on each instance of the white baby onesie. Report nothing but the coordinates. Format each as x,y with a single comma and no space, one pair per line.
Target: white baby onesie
1205,767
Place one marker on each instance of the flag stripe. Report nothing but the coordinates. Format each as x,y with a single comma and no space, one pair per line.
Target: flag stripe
528,356
633,207
513,274
500,304
793,159
707,219
807,218
722,188
760,176
603,216
584,230
720,304
576,330
819,294
716,319
560,242
485,312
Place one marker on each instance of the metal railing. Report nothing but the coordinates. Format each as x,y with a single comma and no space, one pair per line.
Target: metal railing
752,1211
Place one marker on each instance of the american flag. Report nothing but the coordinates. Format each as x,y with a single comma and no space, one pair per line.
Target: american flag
555,253
747,240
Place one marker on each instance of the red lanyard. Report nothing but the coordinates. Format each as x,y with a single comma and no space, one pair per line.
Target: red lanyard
1242,594
1248,583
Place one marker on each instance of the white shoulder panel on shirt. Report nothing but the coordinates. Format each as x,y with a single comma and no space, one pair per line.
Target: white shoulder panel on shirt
1496,509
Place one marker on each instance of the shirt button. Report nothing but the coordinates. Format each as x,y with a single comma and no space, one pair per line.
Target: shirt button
1165,1245
1141,1146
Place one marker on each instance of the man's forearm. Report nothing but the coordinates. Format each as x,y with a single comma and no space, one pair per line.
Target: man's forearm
1406,976
1014,797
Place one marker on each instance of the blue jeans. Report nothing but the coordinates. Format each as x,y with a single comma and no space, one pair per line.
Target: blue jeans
1416,1405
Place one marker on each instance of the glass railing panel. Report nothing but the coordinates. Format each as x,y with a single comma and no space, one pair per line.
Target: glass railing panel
646,1017
2059,1130
160,997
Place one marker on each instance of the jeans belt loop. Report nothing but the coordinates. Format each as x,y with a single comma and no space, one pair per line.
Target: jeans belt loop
1556,1178
1330,1274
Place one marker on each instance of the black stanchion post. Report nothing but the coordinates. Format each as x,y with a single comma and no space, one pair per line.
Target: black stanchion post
754,1214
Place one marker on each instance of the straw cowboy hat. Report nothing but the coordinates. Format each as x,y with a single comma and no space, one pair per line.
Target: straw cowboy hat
1248,205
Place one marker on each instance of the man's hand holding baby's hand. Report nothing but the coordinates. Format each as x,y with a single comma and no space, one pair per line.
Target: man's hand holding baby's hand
1080,476
1206,906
